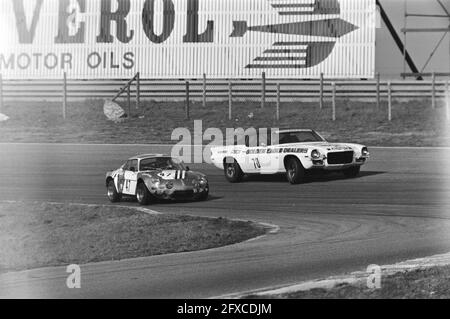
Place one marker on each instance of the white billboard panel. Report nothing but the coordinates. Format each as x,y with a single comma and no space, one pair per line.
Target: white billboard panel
187,38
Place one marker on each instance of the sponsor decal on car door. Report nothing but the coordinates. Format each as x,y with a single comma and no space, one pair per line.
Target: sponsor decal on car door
263,159
130,183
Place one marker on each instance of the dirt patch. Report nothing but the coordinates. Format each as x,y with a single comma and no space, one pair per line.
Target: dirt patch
427,283
36,235
414,123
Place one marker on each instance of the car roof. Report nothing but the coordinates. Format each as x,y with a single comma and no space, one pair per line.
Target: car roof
286,130
293,130
144,156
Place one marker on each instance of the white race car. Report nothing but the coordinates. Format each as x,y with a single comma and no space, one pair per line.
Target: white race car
288,151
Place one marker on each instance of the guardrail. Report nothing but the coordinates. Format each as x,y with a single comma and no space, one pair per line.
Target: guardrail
205,90
219,89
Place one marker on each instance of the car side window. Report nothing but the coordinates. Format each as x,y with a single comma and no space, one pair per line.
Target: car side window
129,165
133,166
126,166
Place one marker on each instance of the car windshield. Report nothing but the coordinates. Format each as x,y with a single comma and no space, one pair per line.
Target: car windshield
155,163
299,137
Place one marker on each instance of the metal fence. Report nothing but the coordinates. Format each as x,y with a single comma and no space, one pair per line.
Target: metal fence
199,89
263,90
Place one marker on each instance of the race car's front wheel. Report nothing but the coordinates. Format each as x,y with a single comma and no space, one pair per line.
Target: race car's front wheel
352,172
233,172
111,191
294,171
143,196
202,196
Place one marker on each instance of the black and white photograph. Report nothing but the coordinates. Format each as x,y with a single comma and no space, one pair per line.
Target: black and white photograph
229,156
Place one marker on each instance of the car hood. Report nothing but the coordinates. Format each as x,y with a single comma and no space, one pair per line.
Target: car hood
324,146
173,175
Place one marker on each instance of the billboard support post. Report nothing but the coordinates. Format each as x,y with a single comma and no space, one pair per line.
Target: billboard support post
1,93
378,90
321,91
138,90
263,90
278,100
389,101
433,91
129,100
187,100
230,100
334,101
447,94
64,104
204,89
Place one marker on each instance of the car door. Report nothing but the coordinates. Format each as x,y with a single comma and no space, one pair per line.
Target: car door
263,159
130,177
249,161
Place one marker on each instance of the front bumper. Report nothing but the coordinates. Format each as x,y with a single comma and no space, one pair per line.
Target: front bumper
324,165
179,192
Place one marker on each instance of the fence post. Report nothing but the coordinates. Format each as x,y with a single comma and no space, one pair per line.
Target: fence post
389,101
129,100
321,91
334,101
230,100
378,90
187,100
263,90
433,91
278,100
138,90
204,89
1,93
64,95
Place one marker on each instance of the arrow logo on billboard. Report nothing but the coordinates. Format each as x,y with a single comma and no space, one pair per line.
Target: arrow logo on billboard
333,28
298,54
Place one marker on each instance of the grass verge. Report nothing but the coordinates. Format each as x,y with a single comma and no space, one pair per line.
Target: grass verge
34,235
414,123
426,283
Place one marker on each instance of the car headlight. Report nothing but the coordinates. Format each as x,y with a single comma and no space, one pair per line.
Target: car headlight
169,185
315,154
365,151
155,180
201,182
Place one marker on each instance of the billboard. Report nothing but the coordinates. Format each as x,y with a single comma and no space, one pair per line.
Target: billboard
175,39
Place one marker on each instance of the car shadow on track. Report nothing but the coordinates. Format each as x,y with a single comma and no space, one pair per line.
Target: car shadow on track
157,201
311,177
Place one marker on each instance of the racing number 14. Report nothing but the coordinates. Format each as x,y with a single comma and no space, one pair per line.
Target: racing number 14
127,185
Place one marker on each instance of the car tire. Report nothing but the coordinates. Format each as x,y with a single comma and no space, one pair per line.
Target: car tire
295,172
143,195
112,193
233,172
202,196
352,172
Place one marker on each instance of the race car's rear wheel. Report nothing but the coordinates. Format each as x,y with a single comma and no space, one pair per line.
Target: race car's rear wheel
111,192
295,172
143,196
352,172
233,172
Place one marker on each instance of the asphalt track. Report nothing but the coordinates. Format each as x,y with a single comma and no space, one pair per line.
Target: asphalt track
398,209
